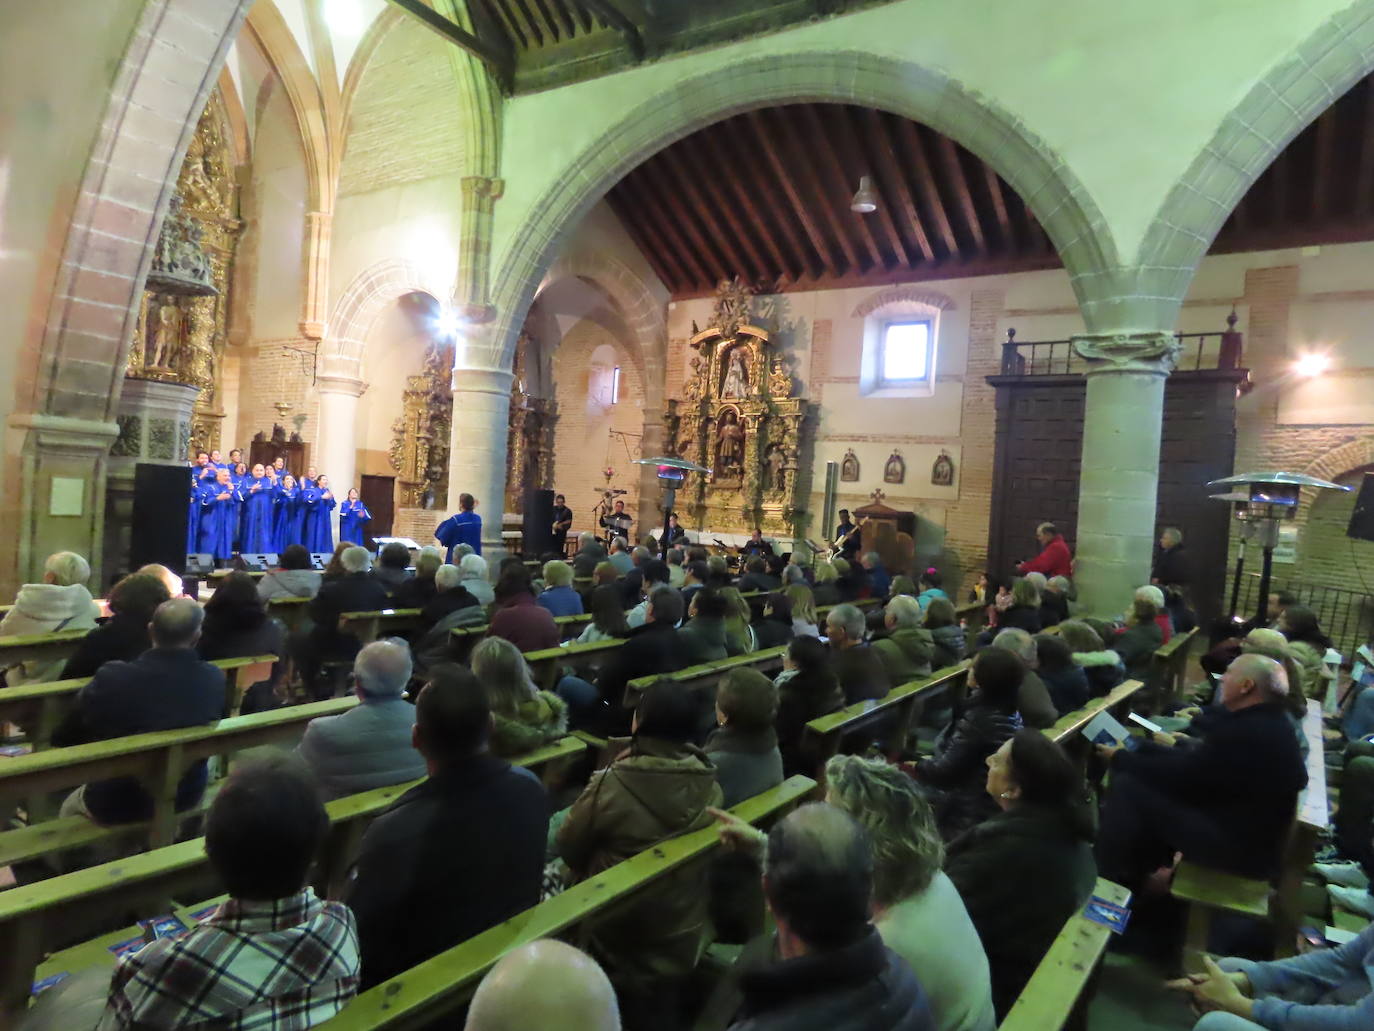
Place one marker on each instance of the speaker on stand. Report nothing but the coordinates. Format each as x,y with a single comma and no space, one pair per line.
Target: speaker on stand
162,504
537,528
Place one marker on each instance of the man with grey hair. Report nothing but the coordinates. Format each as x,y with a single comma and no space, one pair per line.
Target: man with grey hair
677,574
620,556
879,581
546,983
1171,562
450,597
166,688
473,570
589,553
355,591
633,582
859,671
60,602
1033,699
907,649
370,745
833,970
1225,802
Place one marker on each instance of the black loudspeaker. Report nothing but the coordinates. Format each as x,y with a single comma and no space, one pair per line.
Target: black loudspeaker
320,559
162,503
538,525
1362,519
257,562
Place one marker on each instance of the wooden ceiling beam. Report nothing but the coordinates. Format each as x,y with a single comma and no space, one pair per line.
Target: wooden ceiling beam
671,224
890,171
918,160
627,17
787,181
830,203
999,207
647,219
523,13
724,245
501,61
561,17
724,141
765,190
715,258
723,215
1364,170
665,266
1324,172
826,144
949,151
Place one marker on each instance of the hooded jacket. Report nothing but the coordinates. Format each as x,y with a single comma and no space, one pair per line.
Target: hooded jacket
1103,670
542,719
959,765
45,609
950,646
654,790
802,697
289,583
906,653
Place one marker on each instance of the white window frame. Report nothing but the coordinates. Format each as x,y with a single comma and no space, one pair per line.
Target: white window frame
615,384
885,382
876,325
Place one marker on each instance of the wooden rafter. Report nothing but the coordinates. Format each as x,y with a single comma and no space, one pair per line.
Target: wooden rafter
800,210
949,152
630,203
523,11
828,202
745,198
1323,174
925,180
764,189
890,171
999,207
724,215
655,206
714,256
659,257
501,62
1364,170
829,156
559,19
629,19
724,244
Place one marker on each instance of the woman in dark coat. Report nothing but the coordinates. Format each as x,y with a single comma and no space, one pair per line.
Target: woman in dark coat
807,688
1063,678
774,627
124,635
236,625
1140,640
956,771
1024,611
1026,870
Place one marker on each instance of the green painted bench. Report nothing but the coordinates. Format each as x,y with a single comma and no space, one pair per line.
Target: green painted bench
464,638
1054,990
1116,701
1169,666
707,675
17,648
368,626
546,664
291,611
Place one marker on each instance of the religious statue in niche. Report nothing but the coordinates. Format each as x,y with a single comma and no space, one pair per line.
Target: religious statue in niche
942,473
780,380
736,383
849,467
729,445
775,463
166,337
895,469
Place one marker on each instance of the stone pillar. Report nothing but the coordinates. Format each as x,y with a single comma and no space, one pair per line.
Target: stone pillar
1120,473
477,449
315,305
154,428
336,455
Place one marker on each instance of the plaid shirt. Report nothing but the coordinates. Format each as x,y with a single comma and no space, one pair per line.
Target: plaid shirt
251,966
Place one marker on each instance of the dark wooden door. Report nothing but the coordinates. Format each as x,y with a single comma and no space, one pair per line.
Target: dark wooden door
378,494
266,452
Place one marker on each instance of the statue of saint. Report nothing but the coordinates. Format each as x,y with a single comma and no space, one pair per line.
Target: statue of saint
730,444
736,379
165,336
776,462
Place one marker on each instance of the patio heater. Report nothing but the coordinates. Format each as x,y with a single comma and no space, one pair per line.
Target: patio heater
672,473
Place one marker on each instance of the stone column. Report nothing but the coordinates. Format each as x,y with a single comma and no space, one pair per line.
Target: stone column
477,449
315,304
1120,473
336,455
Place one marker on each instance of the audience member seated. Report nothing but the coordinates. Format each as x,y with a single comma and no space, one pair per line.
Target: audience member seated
949,645
826,589
60,602
807,689
1053,607
237,625
803,602
702,637
907,649
1308,645
954,773
879,581
392,566
1139,641
1024,611
124,636
658,787
458,853
473,576
608,618
1062,677
334,569
450,598
655,647
523,717
857,667
850,580
831,970
632,582
756,576
166,688
1225,803
620,556
1181,617
1101,666
739,634
605,573
368,746
677,570
415,592
354,591
653,574
901,585
1033,701
518,619
1058,593
744,746
545,984
916,907
717,572
589,554
176,587
293,577
774,627
695,576
273,955
558,596
1026,870
931,588
1155,596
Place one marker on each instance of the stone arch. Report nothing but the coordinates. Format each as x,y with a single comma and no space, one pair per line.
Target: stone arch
904,294
358,308
1349,457
1060,202
1278,107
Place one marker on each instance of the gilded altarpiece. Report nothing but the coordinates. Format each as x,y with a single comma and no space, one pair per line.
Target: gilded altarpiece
420,437
529,439
741,418
180,338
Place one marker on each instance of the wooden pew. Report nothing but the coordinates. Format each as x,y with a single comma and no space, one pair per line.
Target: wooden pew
464,638
37,917
439,986
1115,701
39,708
706,675
17,648
1207,890
1169,666
547,664
368,626
291,611
1054,990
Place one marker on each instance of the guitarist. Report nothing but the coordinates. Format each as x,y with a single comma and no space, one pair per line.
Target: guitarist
562,523
846,536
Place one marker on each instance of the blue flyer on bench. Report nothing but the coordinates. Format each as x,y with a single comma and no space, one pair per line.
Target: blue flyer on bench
1108,914
49,981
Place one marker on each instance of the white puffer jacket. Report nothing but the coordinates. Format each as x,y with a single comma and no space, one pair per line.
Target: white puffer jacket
42,609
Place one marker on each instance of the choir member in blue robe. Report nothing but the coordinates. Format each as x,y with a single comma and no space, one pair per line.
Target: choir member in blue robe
238,476
463,528
318,502
352,514
259,499
308,480
193,516
279,468
236,459
217,461
219,503
286,522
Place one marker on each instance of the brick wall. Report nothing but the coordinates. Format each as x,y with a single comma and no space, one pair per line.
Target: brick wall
272,371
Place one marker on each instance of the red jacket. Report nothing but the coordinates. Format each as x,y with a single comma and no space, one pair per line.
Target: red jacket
1055,560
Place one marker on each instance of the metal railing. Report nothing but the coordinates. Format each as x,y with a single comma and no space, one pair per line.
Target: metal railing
1198,352
1346,616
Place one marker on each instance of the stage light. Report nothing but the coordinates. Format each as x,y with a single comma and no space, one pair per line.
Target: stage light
866,199
446,323
1312,364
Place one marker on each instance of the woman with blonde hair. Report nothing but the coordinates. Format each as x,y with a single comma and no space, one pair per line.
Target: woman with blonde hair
523,717
558,595
739,635
827,592
804,622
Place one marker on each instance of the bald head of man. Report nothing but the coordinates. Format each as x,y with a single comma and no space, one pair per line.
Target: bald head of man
1252,680
544,984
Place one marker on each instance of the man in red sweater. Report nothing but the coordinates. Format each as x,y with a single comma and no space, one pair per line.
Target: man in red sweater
1054,558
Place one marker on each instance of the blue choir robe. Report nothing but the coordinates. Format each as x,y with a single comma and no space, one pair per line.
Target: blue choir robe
352,515
259,500
193,517
319,533
462,528
305,483
217,519
286,521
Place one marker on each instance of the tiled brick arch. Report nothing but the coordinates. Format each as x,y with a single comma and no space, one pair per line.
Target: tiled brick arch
1353,455
1059,201
359,306
905,295
1277,108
